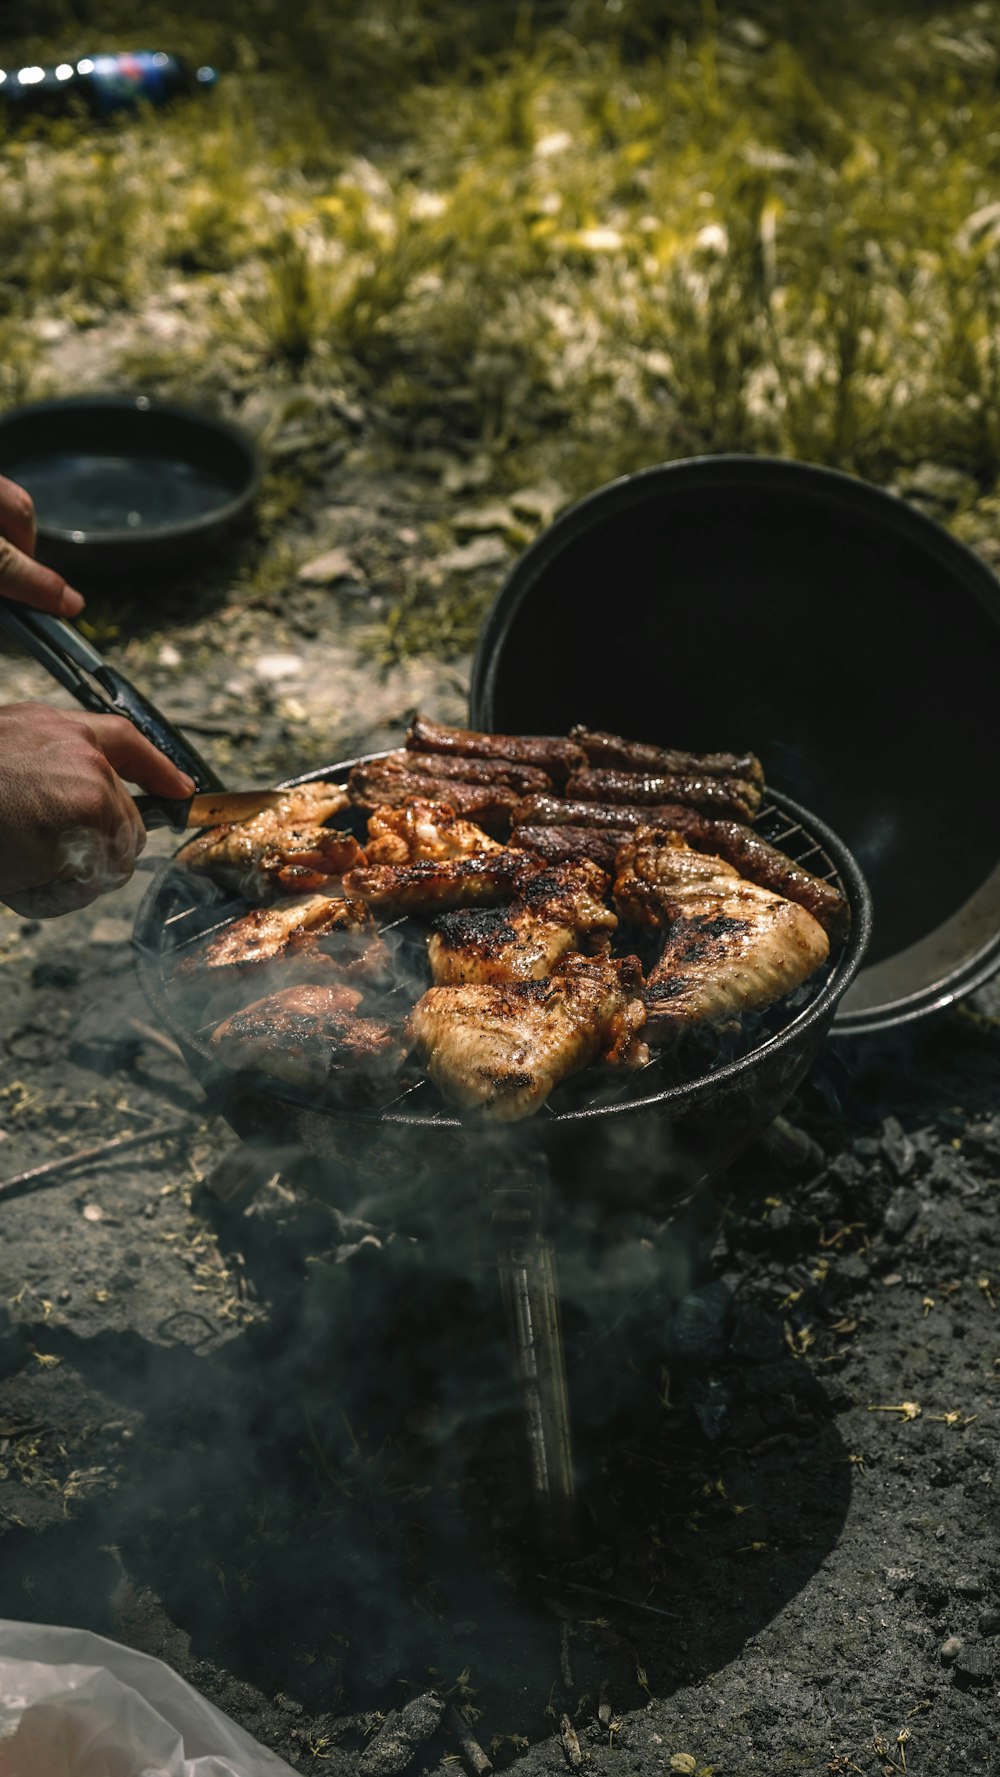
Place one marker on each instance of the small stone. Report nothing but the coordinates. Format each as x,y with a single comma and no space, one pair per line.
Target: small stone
324,570
976,1666
92,1212
989,1622
495,517
169,655
109,930
483,552
272,667
949,1650
65,1296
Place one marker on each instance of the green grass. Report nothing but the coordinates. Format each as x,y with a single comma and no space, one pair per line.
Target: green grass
576,239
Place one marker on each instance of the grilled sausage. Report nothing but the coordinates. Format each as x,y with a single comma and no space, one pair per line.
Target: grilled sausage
634,755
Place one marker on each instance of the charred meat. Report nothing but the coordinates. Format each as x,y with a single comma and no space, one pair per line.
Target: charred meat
267,933
569,845
304,1035
250,856
527,780
750,854
729,947
379,786
559,910
433,886
634,755
550,754
500,1050
420,830
714,795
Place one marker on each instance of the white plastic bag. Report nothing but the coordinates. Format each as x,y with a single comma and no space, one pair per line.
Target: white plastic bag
75,1705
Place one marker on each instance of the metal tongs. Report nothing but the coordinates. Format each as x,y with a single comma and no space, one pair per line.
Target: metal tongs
99,687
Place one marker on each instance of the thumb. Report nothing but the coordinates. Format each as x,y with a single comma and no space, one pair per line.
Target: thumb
137,760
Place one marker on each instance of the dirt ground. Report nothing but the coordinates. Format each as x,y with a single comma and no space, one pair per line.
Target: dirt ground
271,1438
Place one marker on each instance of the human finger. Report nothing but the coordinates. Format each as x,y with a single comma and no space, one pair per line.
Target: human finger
137,760
50,899
28,583
17,515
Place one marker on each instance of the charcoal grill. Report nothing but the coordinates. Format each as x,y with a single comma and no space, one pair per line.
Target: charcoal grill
648,1141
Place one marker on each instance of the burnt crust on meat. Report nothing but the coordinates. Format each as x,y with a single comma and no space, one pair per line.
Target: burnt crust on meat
614,750
374,786
746,850
553,754
527,780
714,795
729,945
569,845
433,885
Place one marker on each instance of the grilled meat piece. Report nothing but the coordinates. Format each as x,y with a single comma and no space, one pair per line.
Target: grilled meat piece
378,786
500,1050
423,830
569,845
561,811
555,756
304,1035
266,933
715,795
561,909
527,780
249,856
730,946
634,755
751,855
432,886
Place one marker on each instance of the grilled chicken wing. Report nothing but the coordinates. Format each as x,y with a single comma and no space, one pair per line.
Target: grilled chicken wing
560,909
751,855
500,1050
419,830
433,887
716,795
556,756
634,755
527,780
730,945
304,1035
380,786
250,856
266,933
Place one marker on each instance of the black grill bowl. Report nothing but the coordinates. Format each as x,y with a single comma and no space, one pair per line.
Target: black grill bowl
648,1142
749,602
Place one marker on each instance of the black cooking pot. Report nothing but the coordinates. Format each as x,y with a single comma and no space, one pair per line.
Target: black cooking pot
127,483
753,603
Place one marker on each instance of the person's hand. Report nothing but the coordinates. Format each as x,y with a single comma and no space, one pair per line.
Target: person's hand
69,830
21,577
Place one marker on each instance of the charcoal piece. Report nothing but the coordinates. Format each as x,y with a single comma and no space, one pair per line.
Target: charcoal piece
989,1623
402,1731
977,1667
902,1212
967,1585
698,1330
930,1594
897,1147
756,1336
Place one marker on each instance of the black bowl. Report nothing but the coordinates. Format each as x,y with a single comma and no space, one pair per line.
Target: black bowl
124,482
734,602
